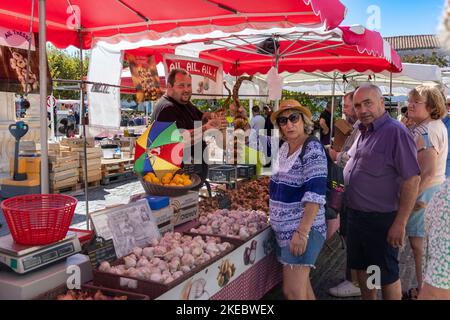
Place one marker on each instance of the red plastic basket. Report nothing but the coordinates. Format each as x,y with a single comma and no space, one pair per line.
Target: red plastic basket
39,219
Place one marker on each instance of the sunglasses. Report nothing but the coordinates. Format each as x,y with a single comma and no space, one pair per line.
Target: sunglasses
293,118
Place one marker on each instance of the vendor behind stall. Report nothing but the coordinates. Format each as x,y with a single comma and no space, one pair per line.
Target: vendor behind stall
176,106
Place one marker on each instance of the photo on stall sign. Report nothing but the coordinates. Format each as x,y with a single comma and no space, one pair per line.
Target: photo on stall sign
195,290
13,69
145,77
250,253
226,272
269,244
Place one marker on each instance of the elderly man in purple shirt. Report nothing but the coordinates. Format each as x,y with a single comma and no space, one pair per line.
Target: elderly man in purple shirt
381,181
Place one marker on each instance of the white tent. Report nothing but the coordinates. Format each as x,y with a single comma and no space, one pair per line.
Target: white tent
321,83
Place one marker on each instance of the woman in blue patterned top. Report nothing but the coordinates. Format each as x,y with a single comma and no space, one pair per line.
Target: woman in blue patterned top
297,197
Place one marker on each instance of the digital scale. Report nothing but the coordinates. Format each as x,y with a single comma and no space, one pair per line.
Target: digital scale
23,259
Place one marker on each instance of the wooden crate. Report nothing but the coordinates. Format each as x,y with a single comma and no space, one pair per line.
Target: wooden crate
114,166
63,169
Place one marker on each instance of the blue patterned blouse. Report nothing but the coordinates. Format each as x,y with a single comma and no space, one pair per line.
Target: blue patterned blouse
294,183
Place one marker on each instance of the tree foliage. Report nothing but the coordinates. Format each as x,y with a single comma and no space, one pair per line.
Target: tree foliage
435,58
315,104
64,65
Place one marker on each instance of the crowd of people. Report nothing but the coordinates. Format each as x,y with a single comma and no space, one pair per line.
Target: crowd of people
394,187
132,119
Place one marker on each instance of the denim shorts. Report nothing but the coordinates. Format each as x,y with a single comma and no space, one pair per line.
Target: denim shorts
367,244
415,226
308,258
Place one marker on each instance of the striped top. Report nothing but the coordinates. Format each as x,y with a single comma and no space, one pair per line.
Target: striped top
294,183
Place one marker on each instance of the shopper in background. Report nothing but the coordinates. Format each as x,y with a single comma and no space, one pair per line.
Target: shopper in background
426,107
349,287
325,125
268,127
381,183
257,122
446,121
436,267
297,197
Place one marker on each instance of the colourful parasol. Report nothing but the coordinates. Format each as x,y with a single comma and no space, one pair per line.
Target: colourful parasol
159,149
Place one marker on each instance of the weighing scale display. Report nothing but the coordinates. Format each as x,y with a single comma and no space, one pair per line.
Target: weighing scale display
31,262
49,256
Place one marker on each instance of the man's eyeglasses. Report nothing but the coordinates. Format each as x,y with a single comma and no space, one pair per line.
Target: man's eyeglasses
293,118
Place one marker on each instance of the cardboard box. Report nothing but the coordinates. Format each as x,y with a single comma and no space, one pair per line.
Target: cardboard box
185,207
343,129
164,219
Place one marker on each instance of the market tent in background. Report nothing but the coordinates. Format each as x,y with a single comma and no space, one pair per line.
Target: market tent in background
320,83
143,20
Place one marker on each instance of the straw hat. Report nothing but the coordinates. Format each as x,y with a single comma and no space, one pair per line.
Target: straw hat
290,104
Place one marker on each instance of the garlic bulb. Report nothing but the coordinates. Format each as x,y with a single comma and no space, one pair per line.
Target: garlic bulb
197,251
104,266
156,277
185,269
129,262
137,251
148,252
143,262
188,260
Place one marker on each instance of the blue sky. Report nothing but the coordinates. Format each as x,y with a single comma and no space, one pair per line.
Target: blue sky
397,17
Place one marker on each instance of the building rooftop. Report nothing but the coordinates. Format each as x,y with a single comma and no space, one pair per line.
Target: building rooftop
413,42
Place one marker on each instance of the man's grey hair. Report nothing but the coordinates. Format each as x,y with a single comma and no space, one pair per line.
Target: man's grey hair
371,87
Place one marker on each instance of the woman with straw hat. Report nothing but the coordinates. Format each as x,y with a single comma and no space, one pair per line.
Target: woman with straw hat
297,198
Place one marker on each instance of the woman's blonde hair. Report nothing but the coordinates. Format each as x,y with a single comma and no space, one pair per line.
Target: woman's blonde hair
434,100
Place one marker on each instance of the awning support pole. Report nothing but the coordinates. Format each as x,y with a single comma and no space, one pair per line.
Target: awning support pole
43,98
83,112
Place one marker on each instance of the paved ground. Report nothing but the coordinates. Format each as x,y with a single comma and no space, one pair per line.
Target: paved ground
330,271
330,264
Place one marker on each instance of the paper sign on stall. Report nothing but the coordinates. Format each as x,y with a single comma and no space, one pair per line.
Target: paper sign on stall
14,62
131,225
206,75
105,68
145,77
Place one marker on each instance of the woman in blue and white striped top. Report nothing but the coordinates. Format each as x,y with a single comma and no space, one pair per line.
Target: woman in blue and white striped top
297,198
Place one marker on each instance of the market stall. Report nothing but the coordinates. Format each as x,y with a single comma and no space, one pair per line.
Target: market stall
157,247
160,244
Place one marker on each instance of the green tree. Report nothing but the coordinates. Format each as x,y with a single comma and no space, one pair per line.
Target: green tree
435,58
64,65
315,104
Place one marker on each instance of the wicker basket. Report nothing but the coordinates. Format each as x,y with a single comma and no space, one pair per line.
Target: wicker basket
169,191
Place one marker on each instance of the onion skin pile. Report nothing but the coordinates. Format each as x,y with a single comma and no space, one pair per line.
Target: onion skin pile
252,195
82,295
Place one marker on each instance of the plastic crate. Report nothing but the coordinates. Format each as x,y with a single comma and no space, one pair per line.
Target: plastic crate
222,174
246,171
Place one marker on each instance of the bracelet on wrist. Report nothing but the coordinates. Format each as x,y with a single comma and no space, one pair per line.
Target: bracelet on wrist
302,234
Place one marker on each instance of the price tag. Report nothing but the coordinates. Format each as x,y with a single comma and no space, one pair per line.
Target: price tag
100,250
224,201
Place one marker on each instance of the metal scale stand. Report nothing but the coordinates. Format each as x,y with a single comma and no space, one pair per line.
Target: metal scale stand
27,272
